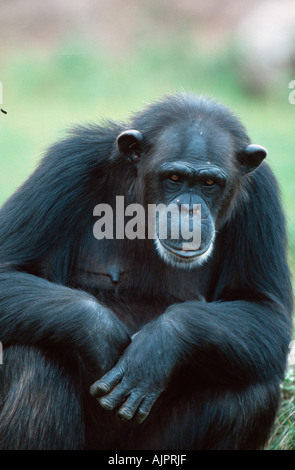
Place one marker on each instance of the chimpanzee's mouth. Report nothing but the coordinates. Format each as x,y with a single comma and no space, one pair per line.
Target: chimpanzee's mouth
184,253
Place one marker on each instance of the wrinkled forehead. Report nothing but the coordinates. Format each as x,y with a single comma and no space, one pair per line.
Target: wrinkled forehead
195,143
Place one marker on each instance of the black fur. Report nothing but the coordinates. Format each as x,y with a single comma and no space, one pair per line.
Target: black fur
211,343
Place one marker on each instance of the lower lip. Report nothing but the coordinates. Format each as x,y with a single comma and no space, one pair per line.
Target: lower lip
187,254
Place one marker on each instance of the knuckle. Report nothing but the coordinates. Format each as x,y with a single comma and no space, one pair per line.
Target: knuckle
99,388
103,387
125,414
106,403
141,417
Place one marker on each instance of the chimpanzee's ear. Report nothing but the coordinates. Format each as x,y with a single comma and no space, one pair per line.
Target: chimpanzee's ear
251,157
129,145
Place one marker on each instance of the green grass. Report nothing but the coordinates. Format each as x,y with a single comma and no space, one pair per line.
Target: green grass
283,436
44,93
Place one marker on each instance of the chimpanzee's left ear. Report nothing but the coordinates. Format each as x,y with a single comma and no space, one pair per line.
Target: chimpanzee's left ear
129,145
251,157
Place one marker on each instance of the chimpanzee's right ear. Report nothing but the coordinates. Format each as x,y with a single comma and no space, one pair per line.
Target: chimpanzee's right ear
129,145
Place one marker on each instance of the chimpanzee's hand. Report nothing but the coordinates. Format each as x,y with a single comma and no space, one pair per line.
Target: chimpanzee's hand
140,376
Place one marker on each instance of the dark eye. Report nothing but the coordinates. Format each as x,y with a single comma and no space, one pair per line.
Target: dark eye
209,182
174,178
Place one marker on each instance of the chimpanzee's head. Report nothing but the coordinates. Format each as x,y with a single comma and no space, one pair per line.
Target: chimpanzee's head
193,154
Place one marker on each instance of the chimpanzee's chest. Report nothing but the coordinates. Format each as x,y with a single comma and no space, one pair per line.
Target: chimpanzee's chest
135,285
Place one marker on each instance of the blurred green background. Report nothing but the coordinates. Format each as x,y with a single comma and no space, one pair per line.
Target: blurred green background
76,62
44,96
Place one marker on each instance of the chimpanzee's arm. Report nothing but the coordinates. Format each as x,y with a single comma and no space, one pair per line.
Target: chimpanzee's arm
38,312
236,341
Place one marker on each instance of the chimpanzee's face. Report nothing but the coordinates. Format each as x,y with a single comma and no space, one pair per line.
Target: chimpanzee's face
193,176
189,176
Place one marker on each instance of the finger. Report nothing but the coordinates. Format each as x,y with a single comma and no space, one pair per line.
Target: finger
107,382
144,409
114,398
130,406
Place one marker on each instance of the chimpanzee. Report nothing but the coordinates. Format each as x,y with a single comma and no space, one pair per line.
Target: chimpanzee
145,342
